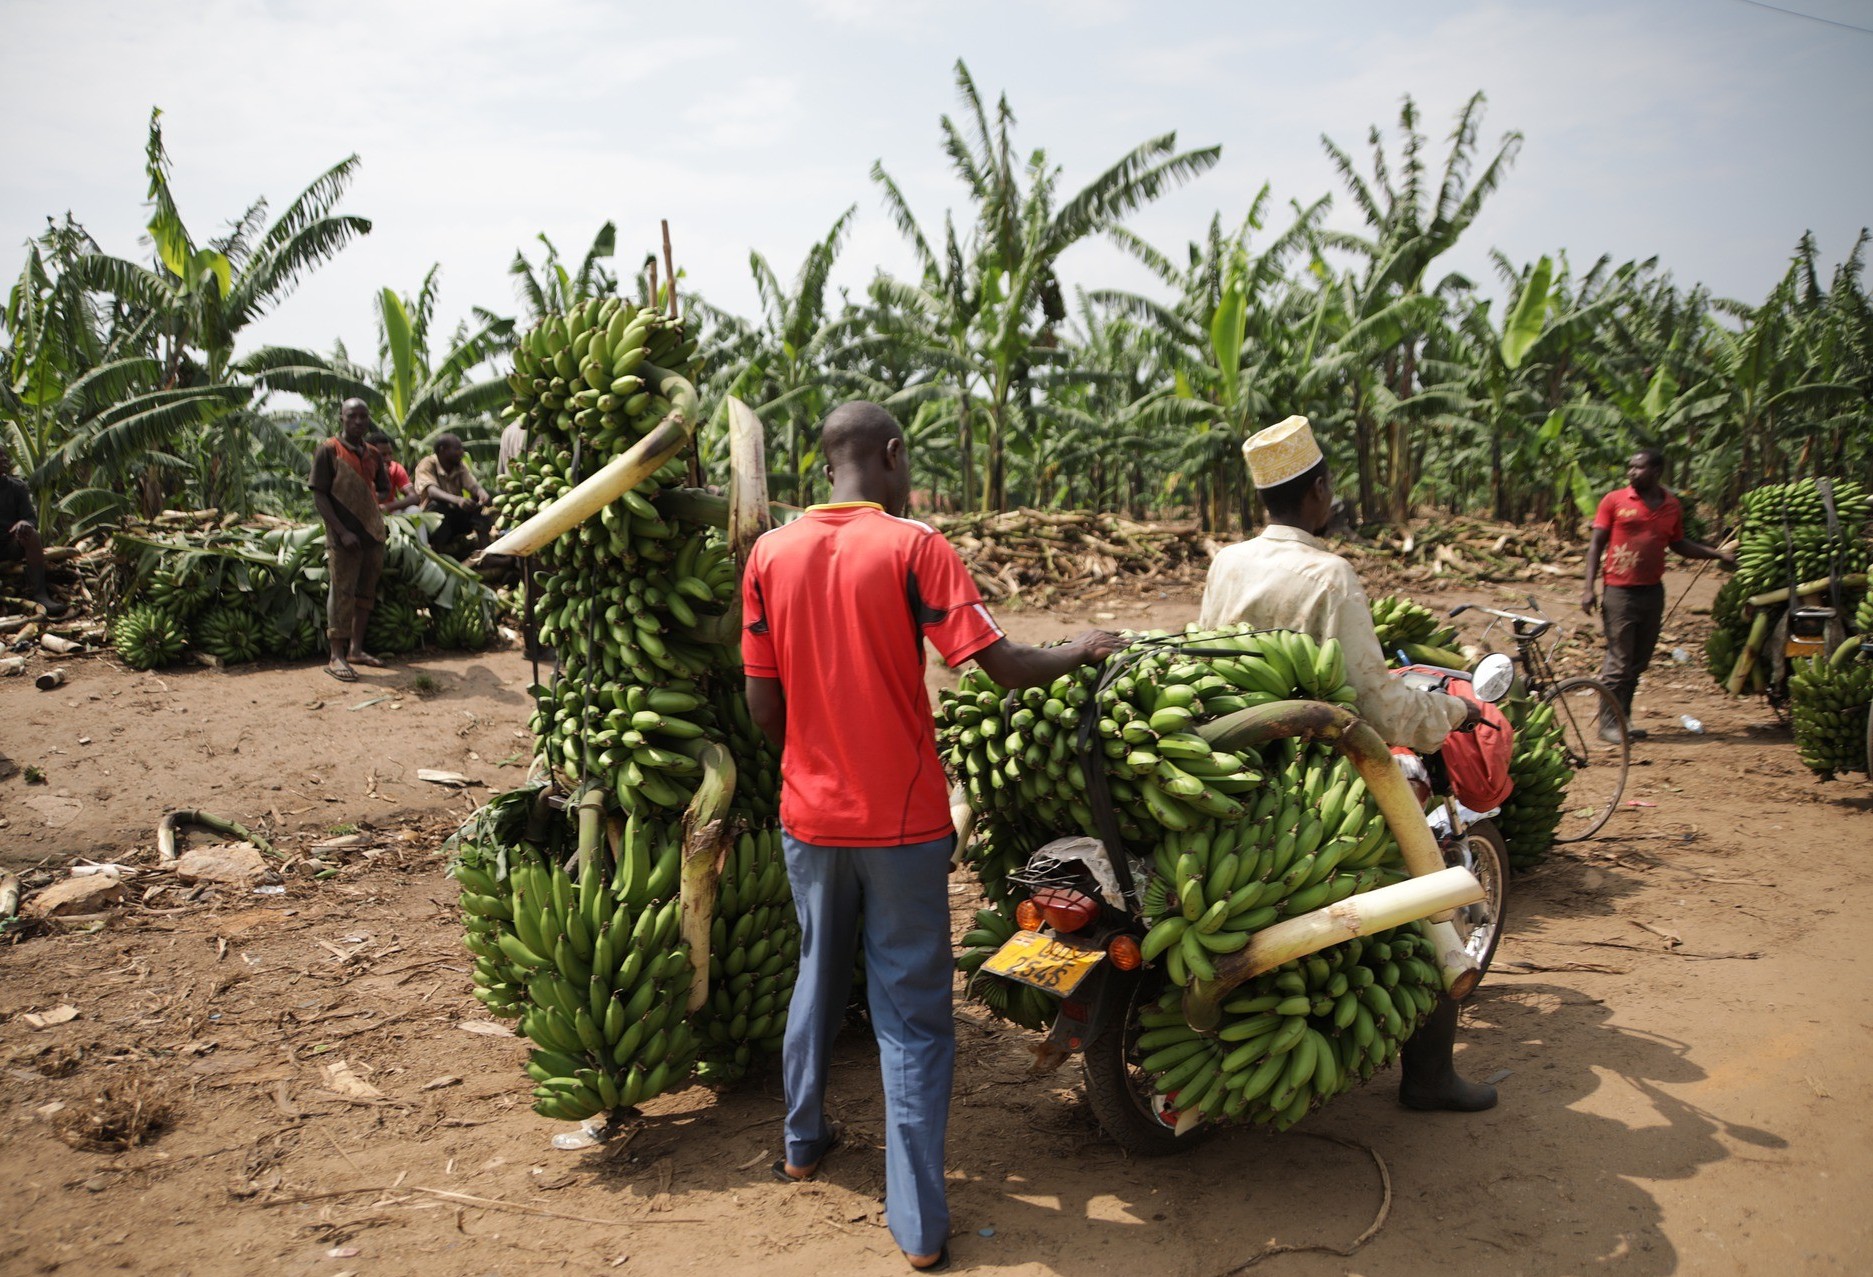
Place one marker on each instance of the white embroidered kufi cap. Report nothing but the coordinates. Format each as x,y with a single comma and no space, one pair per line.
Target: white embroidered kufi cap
1282,452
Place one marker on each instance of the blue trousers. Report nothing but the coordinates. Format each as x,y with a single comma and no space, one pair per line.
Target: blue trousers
902,895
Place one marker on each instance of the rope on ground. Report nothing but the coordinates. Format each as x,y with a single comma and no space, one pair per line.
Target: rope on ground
1344,1252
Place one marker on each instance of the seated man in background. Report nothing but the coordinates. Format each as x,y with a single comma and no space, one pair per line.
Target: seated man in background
402,495
444,484
19,535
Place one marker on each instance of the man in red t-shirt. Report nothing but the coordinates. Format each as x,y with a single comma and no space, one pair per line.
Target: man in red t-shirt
836,607
1632,530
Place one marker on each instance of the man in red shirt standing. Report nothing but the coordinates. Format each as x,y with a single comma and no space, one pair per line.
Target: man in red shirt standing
1632,530
836,608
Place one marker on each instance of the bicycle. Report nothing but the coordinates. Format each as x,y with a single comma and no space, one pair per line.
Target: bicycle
1592,724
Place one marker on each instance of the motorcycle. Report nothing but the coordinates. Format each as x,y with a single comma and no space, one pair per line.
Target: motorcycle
1081,930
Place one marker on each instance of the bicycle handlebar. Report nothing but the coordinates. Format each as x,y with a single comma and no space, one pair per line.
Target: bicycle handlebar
1525,627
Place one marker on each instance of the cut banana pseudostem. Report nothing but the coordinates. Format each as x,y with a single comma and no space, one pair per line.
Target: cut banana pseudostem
1235,841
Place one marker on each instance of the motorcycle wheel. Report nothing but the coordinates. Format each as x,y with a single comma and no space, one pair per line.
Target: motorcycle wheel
1483,852
1119,1092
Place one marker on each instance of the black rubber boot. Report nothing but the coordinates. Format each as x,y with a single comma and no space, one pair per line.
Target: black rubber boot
36,591
1431,1082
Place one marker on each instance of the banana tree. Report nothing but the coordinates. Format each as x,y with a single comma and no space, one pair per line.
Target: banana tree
991,303
1408,227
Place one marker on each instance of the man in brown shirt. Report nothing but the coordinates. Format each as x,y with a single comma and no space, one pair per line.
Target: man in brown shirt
348,481
444,484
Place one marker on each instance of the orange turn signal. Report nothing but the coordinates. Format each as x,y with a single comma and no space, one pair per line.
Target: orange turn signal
1028,916
1124,952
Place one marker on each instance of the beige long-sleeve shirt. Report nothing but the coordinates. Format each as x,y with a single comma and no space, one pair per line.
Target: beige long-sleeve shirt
1286,579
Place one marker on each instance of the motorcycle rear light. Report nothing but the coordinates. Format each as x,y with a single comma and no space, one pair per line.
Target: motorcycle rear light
1066,910
1125,954
1028,916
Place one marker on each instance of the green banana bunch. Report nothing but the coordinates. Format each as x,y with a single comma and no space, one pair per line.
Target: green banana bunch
1399,621
180,589
1295,1037
1018,753
1539,770
466,627
397,622
148,636
228,630
1829,700
754,950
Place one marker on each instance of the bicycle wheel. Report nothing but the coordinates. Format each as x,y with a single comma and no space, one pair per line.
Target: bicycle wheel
1581,706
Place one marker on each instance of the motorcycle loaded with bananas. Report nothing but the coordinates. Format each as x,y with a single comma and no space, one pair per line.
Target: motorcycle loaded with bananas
1209,878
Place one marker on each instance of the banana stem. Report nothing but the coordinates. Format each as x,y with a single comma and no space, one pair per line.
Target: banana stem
166,840
624,472
1752,648
710,510
1370,757
591,826
748,513
1817,586
706,844
1369,912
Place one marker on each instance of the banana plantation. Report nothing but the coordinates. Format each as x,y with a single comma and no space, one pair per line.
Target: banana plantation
131,386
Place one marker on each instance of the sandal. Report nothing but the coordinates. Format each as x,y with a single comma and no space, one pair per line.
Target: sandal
779,1168
345,675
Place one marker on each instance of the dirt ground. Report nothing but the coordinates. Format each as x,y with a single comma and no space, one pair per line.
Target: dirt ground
1678,1022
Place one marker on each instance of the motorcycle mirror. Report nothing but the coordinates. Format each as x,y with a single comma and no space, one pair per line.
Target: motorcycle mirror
1493,677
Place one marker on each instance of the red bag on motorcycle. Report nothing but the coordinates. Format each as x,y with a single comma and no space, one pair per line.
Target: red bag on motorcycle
1477,761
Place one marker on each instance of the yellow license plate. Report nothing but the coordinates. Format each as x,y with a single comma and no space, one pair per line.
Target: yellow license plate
1047,964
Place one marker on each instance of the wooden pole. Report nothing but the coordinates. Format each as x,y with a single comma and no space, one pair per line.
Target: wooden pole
669,269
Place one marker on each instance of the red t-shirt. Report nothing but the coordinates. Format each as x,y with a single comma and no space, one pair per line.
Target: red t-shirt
836,605
1638,536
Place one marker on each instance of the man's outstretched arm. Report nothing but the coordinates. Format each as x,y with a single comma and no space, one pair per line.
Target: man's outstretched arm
1023,665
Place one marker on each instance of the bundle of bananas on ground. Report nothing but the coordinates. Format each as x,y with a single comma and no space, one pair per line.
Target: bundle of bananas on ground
466,627
1295,1037
1539,770
397,622
229,630
1863,615
1410,627
1230,842
148,636
276,575
645,711
1829,699
1785,539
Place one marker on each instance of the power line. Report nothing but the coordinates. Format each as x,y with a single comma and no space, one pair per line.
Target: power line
1796,13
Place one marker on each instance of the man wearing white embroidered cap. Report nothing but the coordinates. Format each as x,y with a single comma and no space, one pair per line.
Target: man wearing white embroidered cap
1287,578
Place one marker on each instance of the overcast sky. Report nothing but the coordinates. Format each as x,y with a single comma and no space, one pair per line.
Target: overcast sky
1708,132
